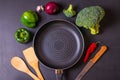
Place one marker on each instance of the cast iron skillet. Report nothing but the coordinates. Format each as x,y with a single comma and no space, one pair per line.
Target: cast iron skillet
58,44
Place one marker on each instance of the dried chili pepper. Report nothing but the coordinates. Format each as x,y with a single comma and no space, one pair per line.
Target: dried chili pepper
90,50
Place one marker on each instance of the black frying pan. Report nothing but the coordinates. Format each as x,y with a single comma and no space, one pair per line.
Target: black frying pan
58,44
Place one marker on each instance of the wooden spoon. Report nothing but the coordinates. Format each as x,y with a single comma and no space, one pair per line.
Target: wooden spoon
19,64
32,60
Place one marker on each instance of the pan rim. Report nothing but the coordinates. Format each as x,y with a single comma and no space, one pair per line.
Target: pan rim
83,42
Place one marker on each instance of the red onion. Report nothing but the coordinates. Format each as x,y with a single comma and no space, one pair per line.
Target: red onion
51,7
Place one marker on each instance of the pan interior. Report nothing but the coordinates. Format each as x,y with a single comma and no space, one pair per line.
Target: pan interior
58,44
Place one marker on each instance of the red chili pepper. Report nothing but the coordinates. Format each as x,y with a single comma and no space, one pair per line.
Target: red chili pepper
90,50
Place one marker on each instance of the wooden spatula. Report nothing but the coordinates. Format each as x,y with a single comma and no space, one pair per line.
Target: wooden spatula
19,64
32,60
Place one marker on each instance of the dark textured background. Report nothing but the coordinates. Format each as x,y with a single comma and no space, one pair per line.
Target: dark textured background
107,68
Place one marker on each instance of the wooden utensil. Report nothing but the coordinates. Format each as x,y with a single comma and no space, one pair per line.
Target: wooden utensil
32,60
91,62
19,64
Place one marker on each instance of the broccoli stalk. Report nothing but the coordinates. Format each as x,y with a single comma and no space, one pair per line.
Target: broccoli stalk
90,18
69,12
94,30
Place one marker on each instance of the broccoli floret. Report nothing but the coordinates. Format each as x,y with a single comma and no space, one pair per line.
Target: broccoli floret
90,18
69,12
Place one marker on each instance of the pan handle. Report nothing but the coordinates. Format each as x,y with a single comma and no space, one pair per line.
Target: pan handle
58,73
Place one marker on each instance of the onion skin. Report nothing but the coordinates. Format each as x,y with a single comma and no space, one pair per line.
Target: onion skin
51,8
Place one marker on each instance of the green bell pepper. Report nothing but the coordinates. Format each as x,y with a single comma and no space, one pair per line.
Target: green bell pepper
29,19
22,35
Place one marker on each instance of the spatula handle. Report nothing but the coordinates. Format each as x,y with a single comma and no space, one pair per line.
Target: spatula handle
37,70
99,53
32,75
